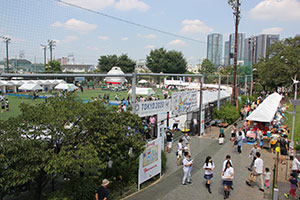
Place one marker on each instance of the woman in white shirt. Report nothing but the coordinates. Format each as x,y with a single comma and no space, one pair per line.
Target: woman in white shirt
208,174
227,176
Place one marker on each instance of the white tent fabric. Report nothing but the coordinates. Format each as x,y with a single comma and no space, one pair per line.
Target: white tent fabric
143,81
143,91
66,86
30,87
267,109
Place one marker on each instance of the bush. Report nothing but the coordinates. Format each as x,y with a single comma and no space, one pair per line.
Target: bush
227,113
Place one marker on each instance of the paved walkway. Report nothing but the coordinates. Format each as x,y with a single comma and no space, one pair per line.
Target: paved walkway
170,186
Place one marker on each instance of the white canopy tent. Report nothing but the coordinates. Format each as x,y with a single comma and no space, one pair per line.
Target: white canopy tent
143,91
143,81
66,86
267,109
30,87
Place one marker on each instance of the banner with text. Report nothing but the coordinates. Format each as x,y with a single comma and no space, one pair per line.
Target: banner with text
150,108
183,102
150,161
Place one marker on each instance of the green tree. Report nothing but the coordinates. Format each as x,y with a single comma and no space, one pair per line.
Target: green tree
67,137
105,63
53,66
280,64
207,67
161,60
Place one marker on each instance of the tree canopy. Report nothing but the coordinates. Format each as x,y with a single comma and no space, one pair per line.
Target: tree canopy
53,66
65,137
207,67
280,64
161,60
105,63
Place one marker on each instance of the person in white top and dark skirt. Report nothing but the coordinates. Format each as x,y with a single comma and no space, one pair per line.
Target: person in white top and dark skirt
227,176
208,174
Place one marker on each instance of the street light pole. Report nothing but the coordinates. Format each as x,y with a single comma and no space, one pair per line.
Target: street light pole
253,44
51,44
235,5
44,47
7,41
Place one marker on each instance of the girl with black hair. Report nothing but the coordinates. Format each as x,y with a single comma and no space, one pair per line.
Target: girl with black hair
208,174
227,176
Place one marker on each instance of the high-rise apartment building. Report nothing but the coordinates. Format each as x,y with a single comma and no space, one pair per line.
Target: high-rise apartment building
226,53
263,42
215,48
240,51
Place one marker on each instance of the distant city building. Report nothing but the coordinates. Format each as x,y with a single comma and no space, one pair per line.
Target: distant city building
77,68
63,60
22,66
226,54
240,50
141,66
215,48
193,68
263,42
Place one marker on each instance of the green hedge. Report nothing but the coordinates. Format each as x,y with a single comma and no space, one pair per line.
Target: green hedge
227,113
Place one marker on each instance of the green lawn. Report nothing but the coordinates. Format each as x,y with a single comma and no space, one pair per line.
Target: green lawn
297,123
14,102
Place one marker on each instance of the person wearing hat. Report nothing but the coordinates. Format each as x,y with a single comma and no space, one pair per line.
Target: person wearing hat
102,192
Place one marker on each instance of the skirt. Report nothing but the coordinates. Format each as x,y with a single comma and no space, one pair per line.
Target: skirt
227,183
208,176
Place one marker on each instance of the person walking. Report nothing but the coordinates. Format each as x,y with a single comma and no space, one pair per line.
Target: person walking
7,104
169,140
268,175
102,192
294,185
175,124
258,171
228,158
295,166
233,134
221,136
187,141
180,149
283,148
239,143
252,155
227,177
2,105
187,164
209,166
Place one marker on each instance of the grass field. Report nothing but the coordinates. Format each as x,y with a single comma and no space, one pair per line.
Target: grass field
297,123
14,102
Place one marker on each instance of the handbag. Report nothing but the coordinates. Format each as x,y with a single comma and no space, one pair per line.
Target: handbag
235,142
252,177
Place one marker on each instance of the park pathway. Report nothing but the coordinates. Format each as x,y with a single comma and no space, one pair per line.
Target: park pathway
170,187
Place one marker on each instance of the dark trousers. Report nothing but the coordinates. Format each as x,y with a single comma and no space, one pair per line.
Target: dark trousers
239,149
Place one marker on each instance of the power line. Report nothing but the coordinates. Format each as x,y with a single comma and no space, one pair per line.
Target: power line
130,22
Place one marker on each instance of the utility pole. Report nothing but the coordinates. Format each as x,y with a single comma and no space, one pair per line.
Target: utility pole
235,5
44,47
252,41
7,41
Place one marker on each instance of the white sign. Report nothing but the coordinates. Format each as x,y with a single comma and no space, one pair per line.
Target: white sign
150,161
183,102
150,108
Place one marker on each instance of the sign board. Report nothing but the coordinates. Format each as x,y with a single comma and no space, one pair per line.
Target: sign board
183,102
150,161
202,122
150,108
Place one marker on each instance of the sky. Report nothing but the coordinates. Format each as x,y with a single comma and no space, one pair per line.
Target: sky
88,35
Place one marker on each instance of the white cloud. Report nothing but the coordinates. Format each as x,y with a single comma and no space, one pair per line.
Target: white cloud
124,38
274,30
150,36
149,46
103,38
195,26
93,48
282,10
126,5
70,38
92,4
177,43
75,25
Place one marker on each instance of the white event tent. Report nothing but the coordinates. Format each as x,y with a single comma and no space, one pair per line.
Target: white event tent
66,86
30,87
267,109
143,91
